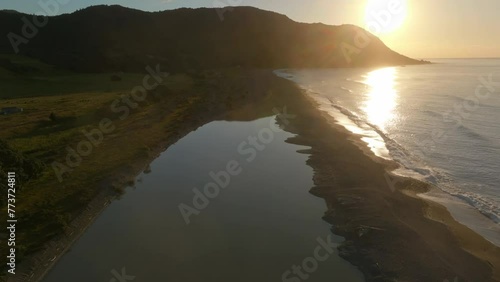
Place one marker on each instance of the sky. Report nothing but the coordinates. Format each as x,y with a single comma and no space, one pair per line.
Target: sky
416,28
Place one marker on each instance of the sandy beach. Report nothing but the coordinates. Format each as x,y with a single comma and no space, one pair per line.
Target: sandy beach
392,234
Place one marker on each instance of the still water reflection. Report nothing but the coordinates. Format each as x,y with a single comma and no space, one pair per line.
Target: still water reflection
258,227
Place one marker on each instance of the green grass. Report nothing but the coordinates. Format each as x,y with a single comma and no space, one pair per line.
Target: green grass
45,206
79,101
36,79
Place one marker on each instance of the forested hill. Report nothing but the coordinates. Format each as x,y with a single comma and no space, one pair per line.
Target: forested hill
114,38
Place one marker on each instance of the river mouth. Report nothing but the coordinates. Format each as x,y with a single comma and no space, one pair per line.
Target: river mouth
228,202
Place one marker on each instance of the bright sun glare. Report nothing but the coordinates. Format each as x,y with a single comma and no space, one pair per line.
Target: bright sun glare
382,97
385,16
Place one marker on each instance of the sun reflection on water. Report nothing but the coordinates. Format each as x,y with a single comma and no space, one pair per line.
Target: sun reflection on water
381,98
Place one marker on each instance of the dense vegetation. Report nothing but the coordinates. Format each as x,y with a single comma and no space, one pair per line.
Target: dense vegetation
26,168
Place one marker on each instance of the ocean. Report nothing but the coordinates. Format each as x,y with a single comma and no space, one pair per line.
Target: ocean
440,121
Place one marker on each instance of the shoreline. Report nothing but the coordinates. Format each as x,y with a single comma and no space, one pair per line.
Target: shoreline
461,210
423,226
389,235
466,214
465,209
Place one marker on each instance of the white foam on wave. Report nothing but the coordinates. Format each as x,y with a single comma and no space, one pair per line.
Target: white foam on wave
466,214
345,118
477,212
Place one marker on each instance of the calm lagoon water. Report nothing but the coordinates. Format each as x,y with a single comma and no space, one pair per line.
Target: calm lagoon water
258,227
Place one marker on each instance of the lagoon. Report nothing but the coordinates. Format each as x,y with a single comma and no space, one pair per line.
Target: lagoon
263,225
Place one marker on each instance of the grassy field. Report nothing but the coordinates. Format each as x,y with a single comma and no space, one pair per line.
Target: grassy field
60,108
60,105
25,77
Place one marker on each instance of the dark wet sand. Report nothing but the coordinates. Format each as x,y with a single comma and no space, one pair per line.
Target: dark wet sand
392,234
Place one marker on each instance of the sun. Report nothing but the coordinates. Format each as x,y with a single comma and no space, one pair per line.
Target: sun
385,16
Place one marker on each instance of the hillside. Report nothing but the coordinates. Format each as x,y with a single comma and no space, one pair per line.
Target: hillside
112,38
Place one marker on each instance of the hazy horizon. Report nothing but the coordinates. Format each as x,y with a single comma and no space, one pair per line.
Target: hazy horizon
425,30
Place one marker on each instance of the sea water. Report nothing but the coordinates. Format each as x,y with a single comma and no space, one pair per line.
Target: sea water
440,121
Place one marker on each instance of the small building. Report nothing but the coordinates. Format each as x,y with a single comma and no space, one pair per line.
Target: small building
10,110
